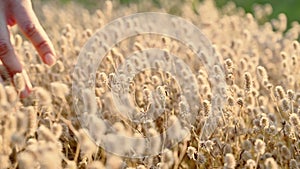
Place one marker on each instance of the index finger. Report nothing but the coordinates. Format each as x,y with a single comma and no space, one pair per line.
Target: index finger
31,27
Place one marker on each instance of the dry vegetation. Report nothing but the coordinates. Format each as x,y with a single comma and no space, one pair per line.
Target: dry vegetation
261,114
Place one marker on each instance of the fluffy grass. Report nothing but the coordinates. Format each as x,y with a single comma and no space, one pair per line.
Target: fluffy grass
260,127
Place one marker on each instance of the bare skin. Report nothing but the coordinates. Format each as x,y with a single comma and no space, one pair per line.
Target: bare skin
20,12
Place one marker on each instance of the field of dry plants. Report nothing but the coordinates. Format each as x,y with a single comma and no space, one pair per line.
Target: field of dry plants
260,123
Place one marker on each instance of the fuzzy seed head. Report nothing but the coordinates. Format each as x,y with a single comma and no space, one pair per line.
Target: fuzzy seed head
250,164
259,146
290,94
59,89
229,161
191,151
247,145
285,105
43,96
293,164
270,163
294,119
19,82
248,81
285,152
230,101
279,92
240,102
262,72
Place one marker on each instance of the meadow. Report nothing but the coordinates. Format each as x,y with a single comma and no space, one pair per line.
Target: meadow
259,125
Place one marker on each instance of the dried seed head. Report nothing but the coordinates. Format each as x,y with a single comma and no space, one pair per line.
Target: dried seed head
227,149
176,127
109,7
270,163
269,86
246,155
45,134
229,65
87,146
57,130
262,72
191,151
230,79
279,92
201,159
167,157
240,102
206,107
250,164
259,146
209,144
59,89
230,101
272,129
283,55
11,94
119,127
294,60
95,165
243,64
139,46
114,162
290,94
88,33
59,66
32,120
293,164
3,98
183,107
156,80
285,152
48,155
285,105
26,160
19,82
22,122
248,81
296,45
229,161
43,96
294,119
247,145
264,122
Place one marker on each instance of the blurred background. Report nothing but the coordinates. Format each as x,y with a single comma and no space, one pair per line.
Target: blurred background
290,7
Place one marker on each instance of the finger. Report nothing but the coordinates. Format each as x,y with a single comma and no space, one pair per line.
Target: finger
30,26
8,55
1,80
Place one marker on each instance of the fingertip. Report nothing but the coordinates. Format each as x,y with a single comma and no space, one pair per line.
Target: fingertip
50,59
26,92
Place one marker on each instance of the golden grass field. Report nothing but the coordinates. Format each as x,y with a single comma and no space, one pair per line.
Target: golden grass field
260,123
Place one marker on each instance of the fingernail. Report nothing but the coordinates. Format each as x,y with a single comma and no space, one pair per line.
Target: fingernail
50,59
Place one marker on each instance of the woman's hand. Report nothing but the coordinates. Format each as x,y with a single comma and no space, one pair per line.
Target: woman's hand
20,12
